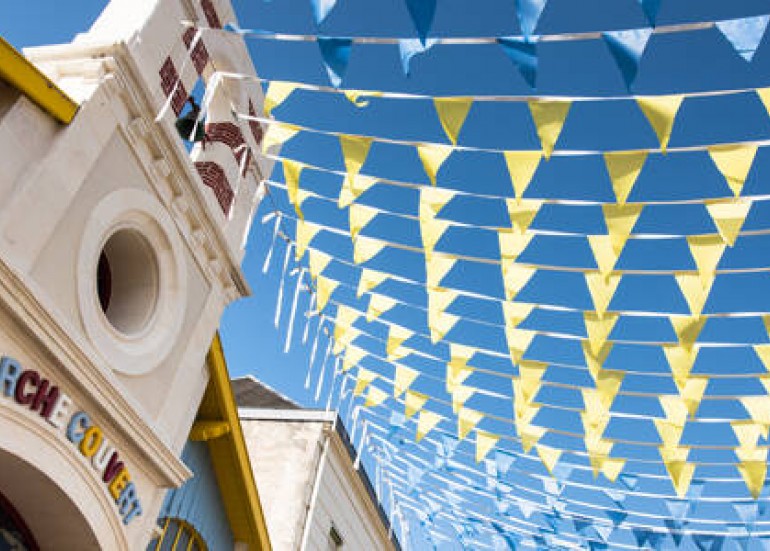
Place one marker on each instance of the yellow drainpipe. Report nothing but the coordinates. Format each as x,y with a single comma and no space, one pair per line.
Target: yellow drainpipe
20,73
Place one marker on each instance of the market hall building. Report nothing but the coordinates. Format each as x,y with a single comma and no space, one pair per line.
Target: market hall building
119,250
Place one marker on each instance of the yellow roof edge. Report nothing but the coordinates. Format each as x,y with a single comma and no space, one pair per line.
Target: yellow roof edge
220,383
19,72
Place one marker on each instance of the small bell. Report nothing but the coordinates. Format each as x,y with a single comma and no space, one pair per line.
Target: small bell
188,123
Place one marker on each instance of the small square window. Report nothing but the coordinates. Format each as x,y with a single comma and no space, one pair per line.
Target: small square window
335,539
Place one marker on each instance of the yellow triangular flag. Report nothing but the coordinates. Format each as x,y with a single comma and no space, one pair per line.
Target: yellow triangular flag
734,162
687,329
456,374
670,433
363,380
343,336
291,174
439,299
604,253
706,251
369,280
352,188
549,117
278,134
413,402
397,335
440,324
512,244
530,436
608,383
317,262
530,379
612,467
516,312
515,278
681,360
366,248
729,218
359,217
432,200
549,456
624,168
620,221
519,341
452,112
426,422
306,231
353,356
754,474
432,157
378,305
324,288
354,152
661,113
485,441
277,92
522,166
375,397
692,393
595,358
675,409
758,407
747,433
522,213
681,474
467,419
763,353
766,322
764,97
346,316
431,231
460,395
694,291
437,266
599,328
404,378
602,289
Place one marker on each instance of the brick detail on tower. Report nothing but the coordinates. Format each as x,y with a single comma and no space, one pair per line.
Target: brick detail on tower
256,128
199,54
171,84
211,14
214,177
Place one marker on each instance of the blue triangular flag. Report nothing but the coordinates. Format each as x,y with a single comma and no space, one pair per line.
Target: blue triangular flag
321,9
596,545
529,12
745,34
523,54
708,542
675,530
650,8
678,508
504,462
739,535
336,54
617,517
422,12
748,512
411,47
630,481
627,47
617,497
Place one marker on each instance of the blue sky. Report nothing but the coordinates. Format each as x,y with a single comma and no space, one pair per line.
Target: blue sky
679,62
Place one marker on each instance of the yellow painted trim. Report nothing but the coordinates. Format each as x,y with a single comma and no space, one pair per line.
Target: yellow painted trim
230,458
20,73
203,431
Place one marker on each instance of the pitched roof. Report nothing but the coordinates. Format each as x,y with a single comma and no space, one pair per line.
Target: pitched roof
251,393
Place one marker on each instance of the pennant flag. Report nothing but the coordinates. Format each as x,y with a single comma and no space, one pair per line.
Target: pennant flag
324,289
680,472
404,378
734,163
408,48
549,456
620,221
437,266
352,188
627,47
368,280
277,93
375,397
432,200
440,299
604,253
661,113
611,468
706,251
346,316
485,441
764,97
549,117
747,433
650,8
359,216
354,152
306,231
353,356
335,53
317,262
426,422
681,361
366,248
602,289
512,244
518,342
413,402
515,278
360,98
522,166
530,435
754,474
692,392
397,335
452,112
432,157
744,34
378,305
363,380
595,358
528,13
343,337
321,9
624,168
598,328
523,54
467,419
278,134
687,329
758,408
729,218
516,312
440,324
530,380
522,212
694,291
422,12
431,231
763,353
457,370
460,395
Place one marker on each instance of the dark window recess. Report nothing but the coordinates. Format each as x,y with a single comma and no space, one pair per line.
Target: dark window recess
336,538
104,282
